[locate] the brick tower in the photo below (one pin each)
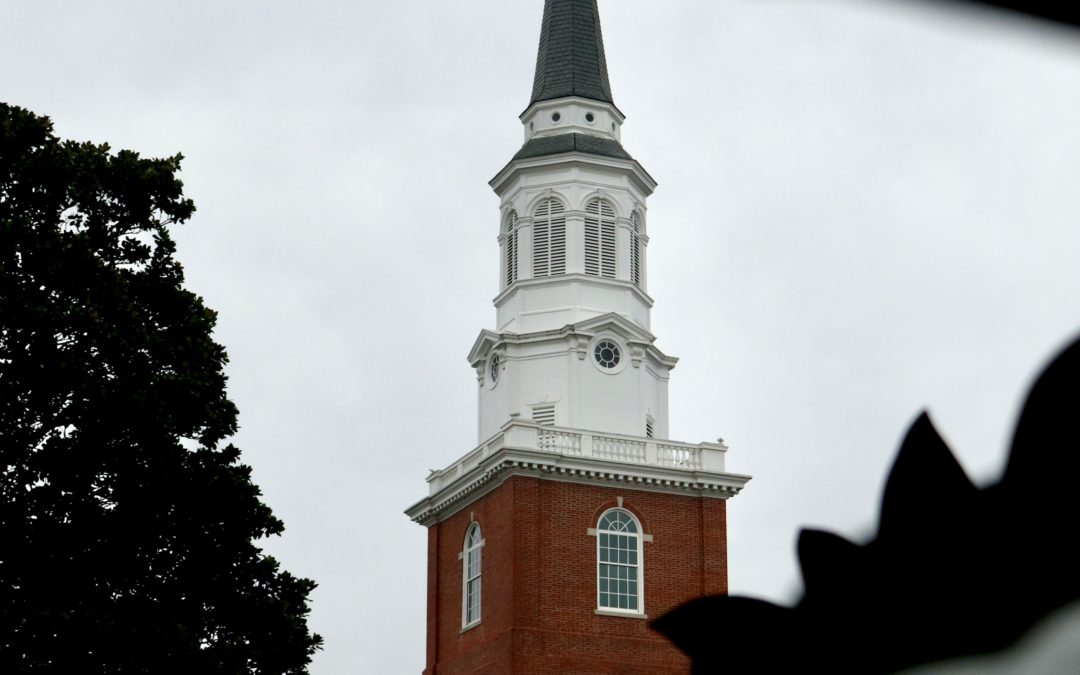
(576, 518)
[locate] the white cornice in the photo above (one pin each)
(577, 277)
(628, 330)
(525, 448)
(630, 167)
(507, 462)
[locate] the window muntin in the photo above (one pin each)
(618, 562)
(470, 559)
(607, 354)
(549, 239)
(510, 234)
(599, 239)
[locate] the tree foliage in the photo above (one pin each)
(127, 523)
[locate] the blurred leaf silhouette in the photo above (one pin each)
(954, 570)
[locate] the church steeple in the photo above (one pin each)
(576, 516)
(570, 61)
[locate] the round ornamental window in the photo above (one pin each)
(494, 364)
(555, 117)
(606, 354)
(589, 118)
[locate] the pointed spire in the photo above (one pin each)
(571, 60)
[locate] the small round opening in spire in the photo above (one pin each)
(555, 117)
(589, 117)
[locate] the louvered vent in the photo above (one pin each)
(549, 239)
(544, 414)
(600, 239)
(511, 235)
(635, 250)
(648, 427)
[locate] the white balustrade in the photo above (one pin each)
(620, 449)
(527, 435)
(678, 455)
(561, 442)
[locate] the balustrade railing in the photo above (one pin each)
(678, 455)
(527, 435)
(620, 449)
(561, 442)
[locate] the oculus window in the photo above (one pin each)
(607, 354)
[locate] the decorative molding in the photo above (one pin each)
(668, 467)
(630, 168)
(574, 277)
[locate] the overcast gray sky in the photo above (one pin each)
(865, 209)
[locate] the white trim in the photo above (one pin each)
(579, 277)
(640, 178)
(620, 615)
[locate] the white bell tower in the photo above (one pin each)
(572, 387)
(572, 345)
(575, 517)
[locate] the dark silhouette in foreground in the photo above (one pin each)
(127, 524)
(954, 570)
(1067, 13)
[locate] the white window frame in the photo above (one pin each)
(640, 538)
(474, 544)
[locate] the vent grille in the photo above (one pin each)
(635, 250)
(549, 239)
(600, 239)
(511, 235)
(544, 414)
(649, 427)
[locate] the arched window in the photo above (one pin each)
(510, 239)
(635, 249)
(549, 239)
(470, 576)
(599, 239)
(619, 562)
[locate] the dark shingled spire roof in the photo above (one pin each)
(571, 57)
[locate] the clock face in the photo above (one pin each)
(607, 354)
(494, 364)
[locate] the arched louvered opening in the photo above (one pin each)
(549, 239)
(600, 239)
(635, 249)
(510, 240)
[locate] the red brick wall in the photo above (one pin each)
(539, 580)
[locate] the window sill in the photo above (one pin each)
(621, 615)
(466, 629)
